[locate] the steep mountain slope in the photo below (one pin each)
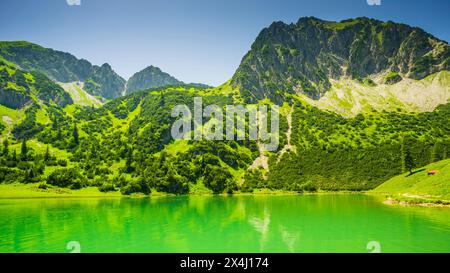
(57, 65)
(19, 88)
(104, 82)
(305, 57)
(63, 67)
(148, 78)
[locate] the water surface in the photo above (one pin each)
(297, 223)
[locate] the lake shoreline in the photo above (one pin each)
(404, 201)
(31, 191)
(393, 202)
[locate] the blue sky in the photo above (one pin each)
(194, 40)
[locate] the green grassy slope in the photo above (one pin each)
(420, 186)
(32, 190)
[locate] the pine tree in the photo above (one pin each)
(30, 175)
(24, 150)
(14, 156)
(75, 135)
(444, 153)
(47, 154)
(409, 161)
(55, 123)
(433, 153)
(163, 101)
(128, 167)
(59, 134)
(402, 152)
(5, 148)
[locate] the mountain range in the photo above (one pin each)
(61, 67)
(357, 97)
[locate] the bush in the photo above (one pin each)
(107, 187)
(219, 179)
(23, 165)
(67, 178)
(308, 186)
(42, 186)
(62, 162)
(99, 181)
(135, 187)
(8, 175)
(51, 162)
(253, 179)
(392, 78)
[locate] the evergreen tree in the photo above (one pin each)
(409, 161)
(75, 135)
(129, 161)
(55, 123)
(59, 134)
(162, 99)
(24, 150)
(31, 175)
(93, 154)
(402, 152)
(47, 154)
(5, 148)
(433, 153)
(14, 156)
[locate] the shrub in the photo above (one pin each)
(62, 162)
(8, 175)
(219, 179)
(308, 186)
(66, 178)
(135, 187)
(51, 162)
(23, 165)
(107, 187)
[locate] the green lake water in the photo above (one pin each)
(294, 223)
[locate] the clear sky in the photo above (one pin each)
(193, 40)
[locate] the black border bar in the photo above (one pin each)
(227, 262)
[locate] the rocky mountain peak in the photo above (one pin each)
(149, 77)
(304, 57)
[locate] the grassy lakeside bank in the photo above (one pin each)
(420, 187)
(18, 191)
(25, 191)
